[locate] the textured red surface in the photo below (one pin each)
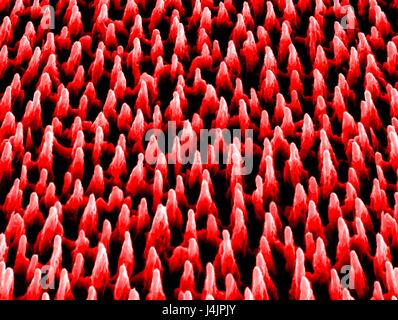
(79, 200)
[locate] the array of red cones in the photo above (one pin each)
(84, 215)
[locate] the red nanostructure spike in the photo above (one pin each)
(167, 150)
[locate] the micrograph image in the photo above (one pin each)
(199, 150)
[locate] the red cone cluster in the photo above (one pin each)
(83, 215)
